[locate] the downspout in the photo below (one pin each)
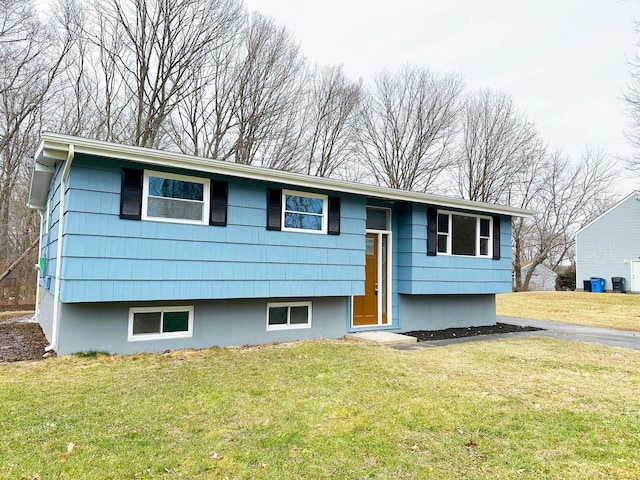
(55, 327)
(36, 314)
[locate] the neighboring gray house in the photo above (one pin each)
(542, 279)
(609, 246)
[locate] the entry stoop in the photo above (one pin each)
(380, 336)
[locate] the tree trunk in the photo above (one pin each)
(8, 271)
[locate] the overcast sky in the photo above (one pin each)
(564, 62)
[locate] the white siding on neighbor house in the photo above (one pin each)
(542, 279)
(606, 247)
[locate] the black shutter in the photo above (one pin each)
(334, 216)
(218, 207)
(131, 194)
(274, 208)
(432, 231)
(496, 238)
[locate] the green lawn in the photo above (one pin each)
(520, 408)
(620, 311)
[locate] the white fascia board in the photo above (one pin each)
(40, 180)
(635, 193)
(55, 146)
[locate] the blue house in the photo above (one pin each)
(146, 250)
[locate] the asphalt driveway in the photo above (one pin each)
(562, 331)
(580, 333)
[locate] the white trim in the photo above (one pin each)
(477, 239)
(288, 325)
(205, 182)
(57, 307)
(389, 277)
(324, 214)
(160, 336)
(632, 284)
(53, 147)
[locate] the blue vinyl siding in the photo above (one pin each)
(419, 273)
(106, 258)
(110, 259)
(49, 233)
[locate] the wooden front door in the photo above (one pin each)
(365, 307)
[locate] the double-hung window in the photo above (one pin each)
(153, 323)
(465, 235)
(304, 212)
(175, 198)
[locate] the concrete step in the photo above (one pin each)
(382, 336)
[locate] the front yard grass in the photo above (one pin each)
(620, 311)
(512, 408)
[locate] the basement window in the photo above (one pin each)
(155, 323)
(285, 316)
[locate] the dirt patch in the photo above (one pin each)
(21, 339)
(450, 333)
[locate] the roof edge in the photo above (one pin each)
(54, 147)
(613, 207)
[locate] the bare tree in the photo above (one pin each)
(269, 97)
(496, 145)
(205, 122)
(31, 56)
(149, 50)
(405, 125)
(332, 102)
(523, 193)
(568, 197)
(632, 99)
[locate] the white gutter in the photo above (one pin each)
(54, 146)
(55, 327)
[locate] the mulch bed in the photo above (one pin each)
(21, 340)
(449, 333)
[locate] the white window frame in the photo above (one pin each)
(447, 233)
(477, 239)
(172, 176)
(325, 202)
(160, 336)
(288, 325)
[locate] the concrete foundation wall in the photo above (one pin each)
(104, 326)
(438, 312)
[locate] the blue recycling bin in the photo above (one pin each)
(597, 285)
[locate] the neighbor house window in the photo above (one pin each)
(175, 198)
(153, 323)
(282, 316)
(306, 212)
(466, 235)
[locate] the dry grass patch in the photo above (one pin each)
(608, 310)
(520, 408)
